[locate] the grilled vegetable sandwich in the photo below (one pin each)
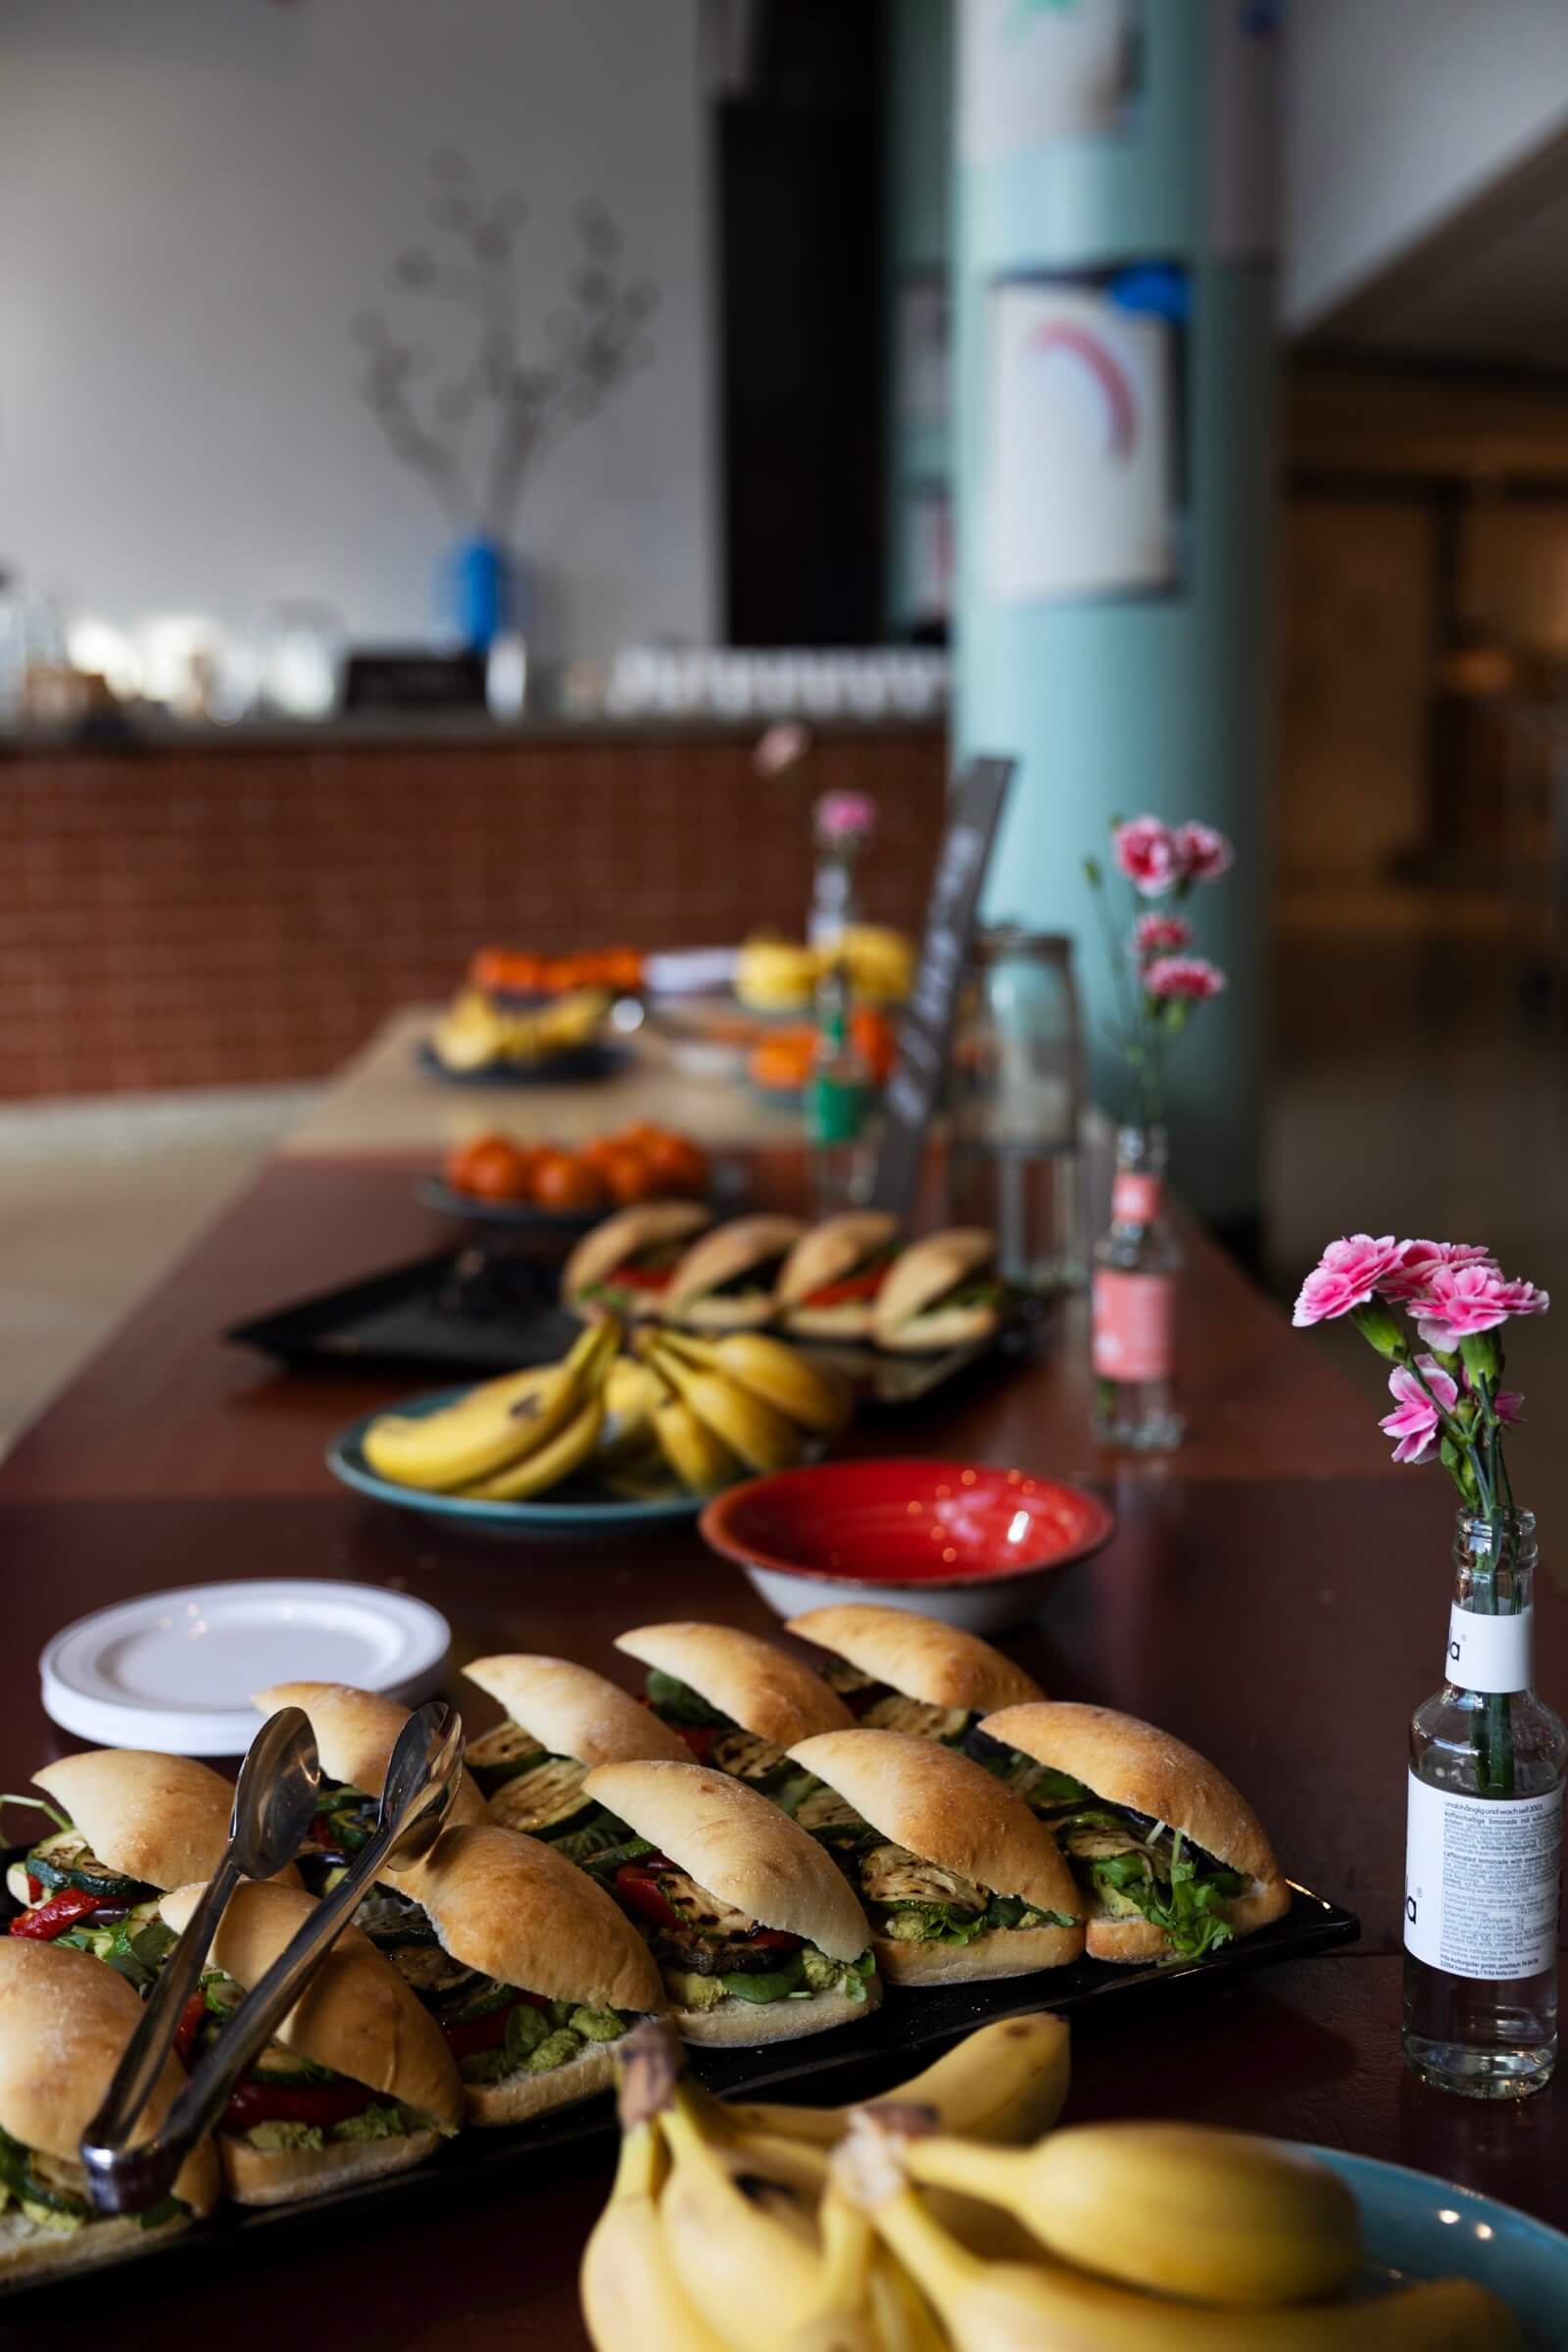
(562, 1719)
(900, 1671)
(757, 1936)
(126, 1826)
(737, 1701)
(65, 2021)
(728, 1281)
(942, 1292)
(628, 1263)
(830, 1280)
(959, 1878)
(1170, 1860)
(530, 1969)
(359, 2080)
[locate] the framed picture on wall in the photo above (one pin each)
(1084, 467)
(1032, 72)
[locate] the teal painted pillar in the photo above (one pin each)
(1114, 295)
(919, 219)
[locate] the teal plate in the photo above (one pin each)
(567, 1510)
(1425, 2228)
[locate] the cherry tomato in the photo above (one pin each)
(561, 1180)
(677, 1165)
(628, 1177)
(498, 1170)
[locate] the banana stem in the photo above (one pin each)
(996, 2176)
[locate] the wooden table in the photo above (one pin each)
(1275, 1593)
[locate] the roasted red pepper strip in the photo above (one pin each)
(638, 1889)
(699, 1737)
(853, 1289)
(59, 1912)
(189, 2026)
(260, 2102)
(466, 2036)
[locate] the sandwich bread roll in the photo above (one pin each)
(946, 1812)
(158, 1819)
(941, 1665)
(1131, 1764)
(356, 1731)
(65, 2021)
(356, 2016)
(915, 1309)
(728, 1280)
(757, 1684)
(572, 1711)
(651, 1225)
(833, 1253)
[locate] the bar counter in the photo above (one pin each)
(1275, 1593)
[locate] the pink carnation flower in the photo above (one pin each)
(1457, 1302)
(1419, 1261)
(1202, 854)
(1349, 1272)
(1184, 976)
(1414, 1422)
(1145, 849)
(1161, 934)
(845, 816)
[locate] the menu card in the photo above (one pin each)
(914, 1092)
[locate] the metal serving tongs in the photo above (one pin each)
(273, 1802)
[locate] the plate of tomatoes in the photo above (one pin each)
(503, 1179)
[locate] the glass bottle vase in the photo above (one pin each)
(1484, 1834)
(1133, 1303)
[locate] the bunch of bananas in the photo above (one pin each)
(475, 1032)
(722, 2230)
(913, 2224)
(681, 1416)
(707, 1412)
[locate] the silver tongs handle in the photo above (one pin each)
(420, 1782)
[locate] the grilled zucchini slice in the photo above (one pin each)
(67, 1860)
(745, 1756)
(547, 1798)
(429, 1969)
(501, 1754)
(891, 1874)
(825, 1809)
(915, 1718)
(703, 1913)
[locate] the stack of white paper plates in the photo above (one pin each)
(175, 1670)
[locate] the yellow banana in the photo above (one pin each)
(1005, 2083)
(755, 1431)
(1216, 2216)
(1045, 2307)
(900, 2314)
(778, 1374)
(745, 2248)
(631, 1392)
(629, 2292)
(844, 2319)
(537, 1473)
(702, 1461)
(499, 1422)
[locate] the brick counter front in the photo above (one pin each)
(211, 915)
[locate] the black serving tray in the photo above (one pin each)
(909, 2029)
(484, 1309)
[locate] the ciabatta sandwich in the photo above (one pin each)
(127, 1825)
(65, 2021)
(359, 2080)
(959, 1878)
(757, 1935)
(728, 1281)
(626, 1263)
(356, 1731)
(942, 1292)
(737, 1701)
(832, 1278)
(532, 1973)
(897, 1671)
(562, 1719)
(1170, 1859)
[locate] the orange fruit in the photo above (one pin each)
(565, 1180)
(495, 1169)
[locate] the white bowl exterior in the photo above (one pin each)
(979, 1609)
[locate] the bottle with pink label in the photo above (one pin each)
(1134, 1303)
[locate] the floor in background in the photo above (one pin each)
(1420, 1086)
(97, 1198)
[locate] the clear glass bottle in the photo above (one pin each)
(1484, 1836)
(837, 1093)
(1014, 1101)
(1133, 1307)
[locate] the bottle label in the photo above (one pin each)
(1490, 1653)
(1136, 1199)
(1134, 1325)
(1481, 1882)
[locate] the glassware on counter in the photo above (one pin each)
(1484, 1834)
(837, 1094)
(301, 649)
(1133, 1317)
(1015, 1099)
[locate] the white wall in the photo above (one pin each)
(196, 198)
(1399, 111)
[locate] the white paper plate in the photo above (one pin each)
(175, 1671)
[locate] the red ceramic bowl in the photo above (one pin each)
(951, 1540)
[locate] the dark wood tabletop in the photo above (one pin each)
(1274, 1593)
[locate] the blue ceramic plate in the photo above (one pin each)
(569, 1509)
(1425, 2228)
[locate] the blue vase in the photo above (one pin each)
(481, 591)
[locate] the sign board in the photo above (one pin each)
(914, 1092)
(395, 680)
